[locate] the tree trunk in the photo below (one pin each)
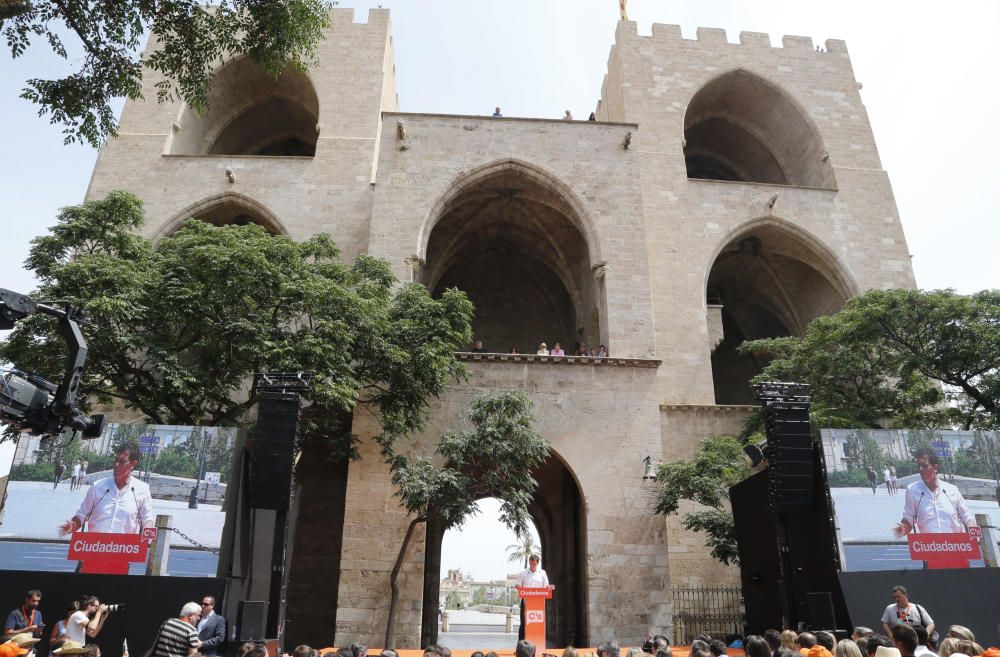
(390, 627)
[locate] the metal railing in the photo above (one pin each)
(713, 610)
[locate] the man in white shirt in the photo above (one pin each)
(88, 621)
(531, 577)
(933, 506)
(119, 504)
(75, 477)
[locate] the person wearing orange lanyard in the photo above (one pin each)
(27, 618)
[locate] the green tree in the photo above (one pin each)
(898, 358)
(492, 458)
(178, 332)
(864, 451)
(175, 461)
(523, 549)
(705, 479)
(191, 36)
(479, 595)
(452, 601)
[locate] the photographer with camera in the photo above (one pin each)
(26, 618)
(88, 621)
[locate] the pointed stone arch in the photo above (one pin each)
(742, 127)
(767, 278)
(225, 209)
(251, 112)
(567, 201)
(559, 512)
(520, 243)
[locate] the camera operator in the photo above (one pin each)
(88, 621)
(26, 618)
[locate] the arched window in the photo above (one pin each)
(515, 246)
(229, 209)
(740, 127)
(250, 112)
(766, 283)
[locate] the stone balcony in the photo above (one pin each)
(534, 359)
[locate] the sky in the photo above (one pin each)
(928, 70)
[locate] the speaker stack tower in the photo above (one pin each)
(272, 458)
(784, 524)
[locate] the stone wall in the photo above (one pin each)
(601, 420)
(683, 428)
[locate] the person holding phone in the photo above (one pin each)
(26, 618)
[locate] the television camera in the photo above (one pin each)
(30, 403)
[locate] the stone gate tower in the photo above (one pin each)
(728, 191)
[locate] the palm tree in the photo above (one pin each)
(523, 550)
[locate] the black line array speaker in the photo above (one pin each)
(789, 454)
(251, 620)
(274, 451)
(820, 607)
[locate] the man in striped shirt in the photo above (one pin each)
(178, 637)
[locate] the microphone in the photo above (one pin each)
(137, 520)
(913, 525)
(94, 508)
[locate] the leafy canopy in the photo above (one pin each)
(494, 457)
(903, 358)
(191, 38)
(705, 479)
(179, 332)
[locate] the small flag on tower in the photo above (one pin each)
(624, 10)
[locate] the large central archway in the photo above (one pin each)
(516, 245)
(559, 514)
(769, 280)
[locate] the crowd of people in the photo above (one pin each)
(196, 630)
(908, 631)
(579, 349)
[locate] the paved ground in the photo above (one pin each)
(478, 640)
(44, 556)
(35, 510)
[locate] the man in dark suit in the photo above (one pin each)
(211, 628)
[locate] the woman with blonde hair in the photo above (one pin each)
(961, 632)
(847, 648)
(788, 641)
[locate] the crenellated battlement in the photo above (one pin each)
(342, 17)
(715, 36)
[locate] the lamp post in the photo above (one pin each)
(193, 500)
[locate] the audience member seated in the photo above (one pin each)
(961, 632)
(557, 350)
(755, 646)
(718, 648)
(826, 640)
(524, 648)
(788, 641)
(922, 649)
(905, 639)
(602, 352)
(848, 648)
(804, 642)
(876, 641)
(477, 347)
(543, 350)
